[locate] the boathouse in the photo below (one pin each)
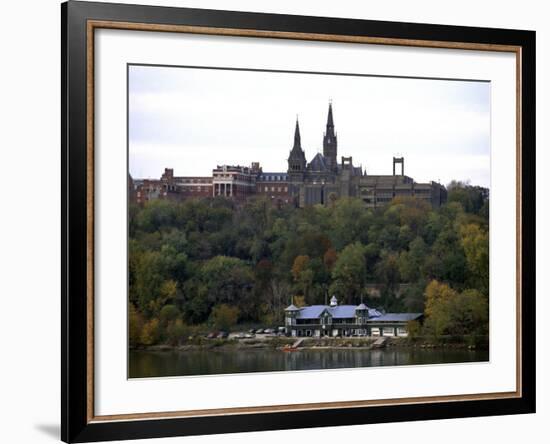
(345, 320)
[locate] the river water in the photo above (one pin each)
(208, 362)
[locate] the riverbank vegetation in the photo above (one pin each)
(213, 263)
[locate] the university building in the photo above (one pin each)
(237, 182)
(274, 186)
(169, 187)
(345, 320)
(324, 178)
(317, 182)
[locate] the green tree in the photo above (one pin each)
(471, 198)
(303, 275)
(329, 258)
(299, 301)
(135, 326)
(176, 332)
(151, 332)
(349, 221)
(413, 297)
(410, 262)
(299, 266)
(438, 311)
(450, 312)
(227, 279)
(149, 277)
(196, 306)
(169, 313)
(155, 215)
(349, 272)
(224, 316)
(413, 212)
(189, 257)
(458, 192)
(469, 313)
(447, 261)
(475, 243)
(387, 270)
(414, 329)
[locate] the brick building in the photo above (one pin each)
(184, 187)
(235, 181)
(319, 181)
(169, 187)
(148, 189)
(274, 186)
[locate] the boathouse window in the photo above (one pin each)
(401, 331)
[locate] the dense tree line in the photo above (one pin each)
(216, 262)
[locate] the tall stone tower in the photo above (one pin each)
(296, 167)
(330, 143)
(297, 157)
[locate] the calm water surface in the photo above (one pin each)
(207, 362)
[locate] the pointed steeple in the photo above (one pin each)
(330, 143)
(297, 158)
(330, 121)
(297, 139)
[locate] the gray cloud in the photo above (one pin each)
(193, 119)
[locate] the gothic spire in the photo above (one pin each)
(297, 140)
(297, 158)
(330, 143)
(330, 121)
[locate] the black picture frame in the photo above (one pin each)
(76, 424)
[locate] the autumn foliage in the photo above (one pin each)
(216, 263)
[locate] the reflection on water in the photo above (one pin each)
(208, 362)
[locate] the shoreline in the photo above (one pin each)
(278, 343)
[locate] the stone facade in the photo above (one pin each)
(320, 181)
(324, 179)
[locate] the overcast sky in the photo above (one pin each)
(194, 119)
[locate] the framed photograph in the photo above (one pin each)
(275, 221)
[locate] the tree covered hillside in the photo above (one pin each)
(216, 262)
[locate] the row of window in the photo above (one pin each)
(273, 189)
(388, 331)
(233, 176)
(326, 320)
(196, 180)
(198, 189)
(234, 186)
(273, 178)
(385, 191)
(375, 331)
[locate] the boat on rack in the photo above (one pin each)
(293, 347)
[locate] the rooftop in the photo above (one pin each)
(398, 317)
(318, 163)
(335, 311)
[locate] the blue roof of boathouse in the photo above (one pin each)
(337, 312)
(398, 317)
